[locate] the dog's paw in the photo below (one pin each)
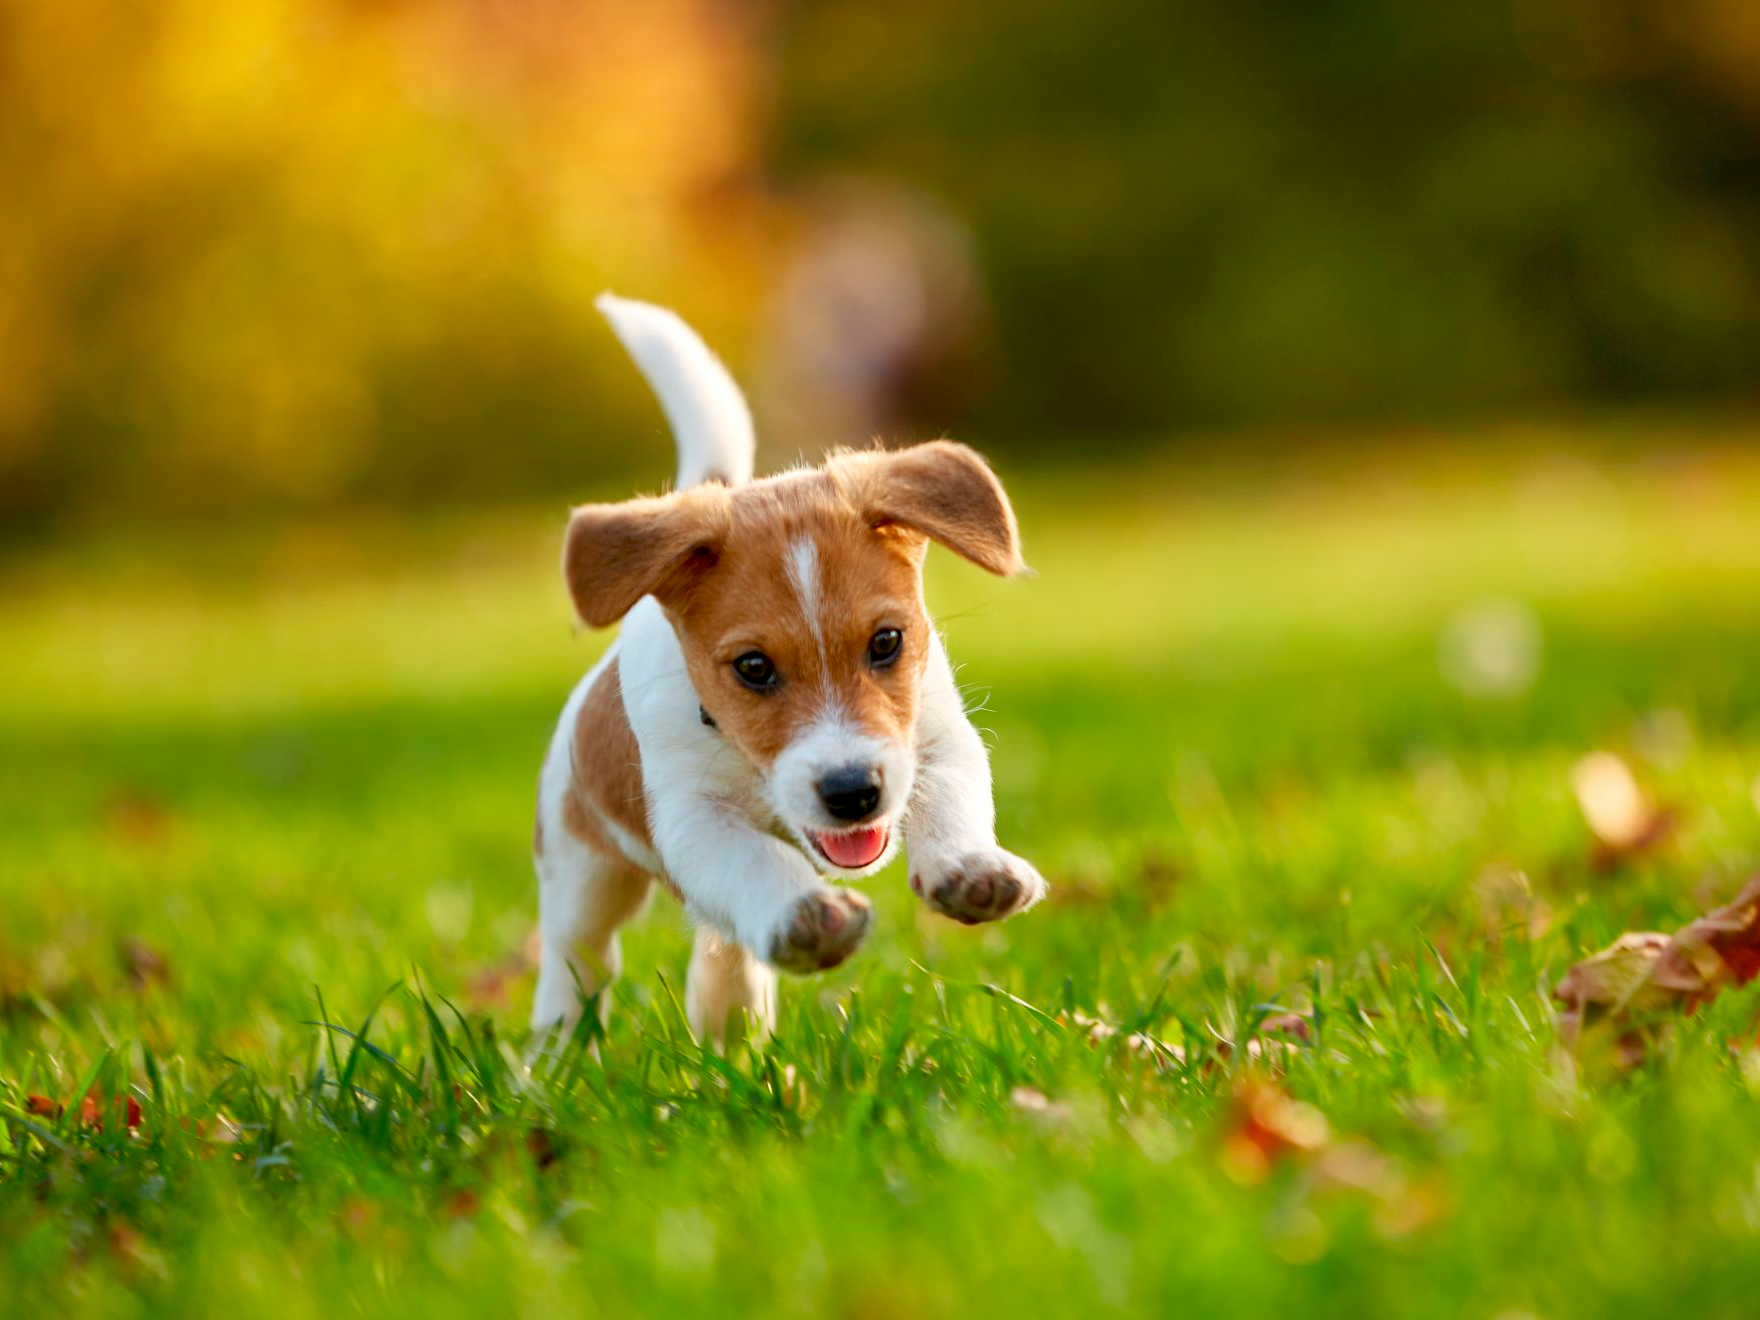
(825, 929)
(987, 885)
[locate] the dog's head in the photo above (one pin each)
(798, 603)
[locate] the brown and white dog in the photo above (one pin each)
(777, 709)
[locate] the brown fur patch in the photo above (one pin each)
(866, 579)
(942, 490)
(607, 776)
(614, 554)
(719, 562)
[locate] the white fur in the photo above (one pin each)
(952, 816)
(803, 576)
(581, 905)
(953, 812)
(725, 979)
(828, 744)
(706, 803)
(710, 420)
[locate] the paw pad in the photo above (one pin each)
(979, 887)
(827, 926)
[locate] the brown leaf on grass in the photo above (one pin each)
(1625, 820)
(143, 964)
(92, 1110)
(1292, 1026)
(1267, 1125)
(1648, 972)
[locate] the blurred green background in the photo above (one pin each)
(1377, 386)
(293, 254)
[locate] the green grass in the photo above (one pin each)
(241, 773)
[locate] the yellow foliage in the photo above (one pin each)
(235, 227)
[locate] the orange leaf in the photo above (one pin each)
(1625, 820)
(1296, 1026)
(1266, 1124)
(1646, 971)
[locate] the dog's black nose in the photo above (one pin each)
(850, 792)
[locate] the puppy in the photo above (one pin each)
(778, 709)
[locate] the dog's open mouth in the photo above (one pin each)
(852, 849)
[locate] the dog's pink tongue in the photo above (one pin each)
(856, 848)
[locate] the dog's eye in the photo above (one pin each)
(755, 671)
(884, 646)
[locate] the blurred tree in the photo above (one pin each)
(1207, 212)
(288, 250)
(298, 251)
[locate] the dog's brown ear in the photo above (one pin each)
(614, 554)
(942, 490)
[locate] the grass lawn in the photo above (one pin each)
(253, 782)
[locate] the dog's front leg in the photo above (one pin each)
(956, 866)
(752, 887)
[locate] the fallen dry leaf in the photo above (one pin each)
(1266, 1125)
(143, 964)
(1647, 972)
(1294, 1026)
(1622, 816)
(91, 1112)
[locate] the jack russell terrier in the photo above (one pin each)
(777, 710)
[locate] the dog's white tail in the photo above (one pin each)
(710, 421)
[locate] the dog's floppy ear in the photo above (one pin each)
(614, 554)
(942, 490)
